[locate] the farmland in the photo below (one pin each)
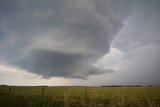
(14, 96)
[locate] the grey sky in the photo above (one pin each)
(86, 42)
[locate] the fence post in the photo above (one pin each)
(149, 94)
(85, 95)
(9, 91)
(42, 92)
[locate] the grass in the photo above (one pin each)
(79, 97)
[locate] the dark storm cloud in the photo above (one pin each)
(67, 64)
(60, 37)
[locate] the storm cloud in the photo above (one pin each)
(60, 38)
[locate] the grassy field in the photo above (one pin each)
(79, 96)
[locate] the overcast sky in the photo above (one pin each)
(80, 42)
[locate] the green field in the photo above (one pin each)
(79, 96)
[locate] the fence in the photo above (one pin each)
(85, 90)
